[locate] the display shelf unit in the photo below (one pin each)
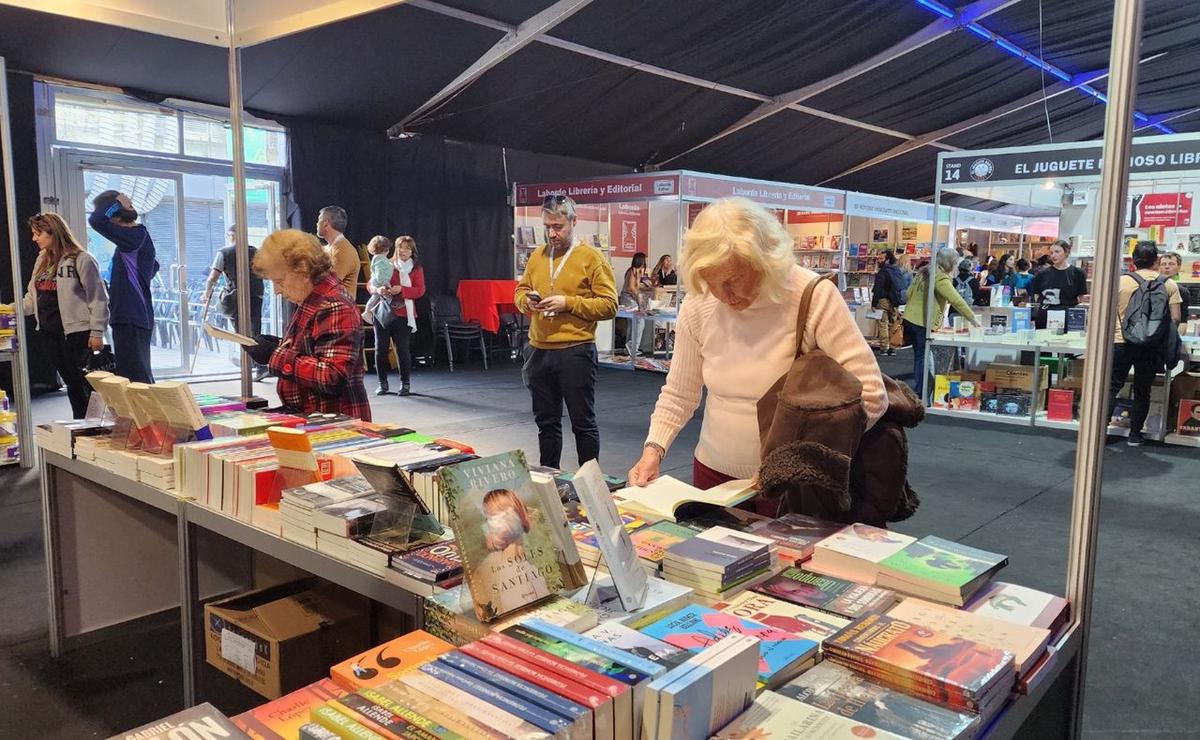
(1183, 440)
(1023, 421)
(180, 551)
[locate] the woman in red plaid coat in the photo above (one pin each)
(319, 360)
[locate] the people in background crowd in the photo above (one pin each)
(945, 262)
(1169, 265)
(69, 302)
(134, 266)
(999, 270)
(403, 286)
(887, 297)
(567, 286)
(737, 336)
(904, 262)
(225, 265)
(1060, 286)
(663, 273)
(319, 360)
(966, 285)
(1146, 360)
(1020, 279)
(331, 222)
(1040, 264)
(636, 281)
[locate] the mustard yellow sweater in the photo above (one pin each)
(588, 284)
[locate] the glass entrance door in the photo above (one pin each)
(157, 198)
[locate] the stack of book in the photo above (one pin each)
(417, 459)
(421, 571)
(705, 693)
(835, 596)
(719, 563)
(795, 535)
(298, 505)
(774, 715)
(798, 620)
(843, 692)
(652, 542)
(62, 436)
(940, 570)
(585, 535)
(87, 447)
(854, 553)
(782, 655)
(951, 671)
(1020, 605)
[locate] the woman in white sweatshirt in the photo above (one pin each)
(69, 302)
(736, 335)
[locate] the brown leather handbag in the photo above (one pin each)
(818, 457)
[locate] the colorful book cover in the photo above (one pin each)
(798, 620)
(864, 542)
(440, 707)
(828, 594)
(652, 542)
(433, 563)
(282, 718)
(696, 627)
(795, 535)
(941, 561)
(509, 559)
(383, 663)
(341, 724)
(526, 710)
(1027, 644)
(203, 720)
(431, 725)
(840, 690)
(913, 655)
(779, 718)
(704, 694)
(1020, 605)
(640, 644)
(579, 656)
(390, 724)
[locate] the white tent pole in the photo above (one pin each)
(239, 190)
(1093, 425)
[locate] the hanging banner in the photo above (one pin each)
(986, 221)
(1158, 209)
(628, 227)
(882, 207)
(760, 191)
(1159, 154)
(607, 190)
(800, 217)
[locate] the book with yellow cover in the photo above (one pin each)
(385, 662)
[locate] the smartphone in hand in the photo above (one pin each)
(533, 298)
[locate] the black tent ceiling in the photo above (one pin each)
(640, 83)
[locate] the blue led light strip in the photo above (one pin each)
(1033, 61)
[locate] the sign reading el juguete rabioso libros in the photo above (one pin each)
(1080, 161)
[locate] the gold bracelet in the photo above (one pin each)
(657, 448)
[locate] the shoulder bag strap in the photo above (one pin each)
(802, 313)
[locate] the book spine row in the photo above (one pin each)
(910, 683)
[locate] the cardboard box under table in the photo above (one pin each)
(278, 639)
(1018, 379)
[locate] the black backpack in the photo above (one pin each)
(1147, 317)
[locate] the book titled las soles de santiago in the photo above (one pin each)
(508, 555)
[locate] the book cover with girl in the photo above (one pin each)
(508, 555)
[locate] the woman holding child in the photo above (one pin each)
(399, 281)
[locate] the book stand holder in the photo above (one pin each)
(602, 593)
(161, 437)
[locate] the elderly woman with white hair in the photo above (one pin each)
(946, 263)
(736, 335)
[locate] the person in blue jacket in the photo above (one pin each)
(133, 267)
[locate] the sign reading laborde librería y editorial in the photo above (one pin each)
(1075, 161)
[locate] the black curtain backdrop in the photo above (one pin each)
(28, 199)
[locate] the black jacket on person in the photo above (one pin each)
(888, 282)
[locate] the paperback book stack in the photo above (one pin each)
(773, 715)
(297, 506)
(855, 552)
(795, 535)
(719, 563)
(653, 541)
(940, 570)
(421, 571)
(705, 693)
(63, 436)
(951, 671)
(827, 594)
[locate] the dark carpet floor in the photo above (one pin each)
(994, 486)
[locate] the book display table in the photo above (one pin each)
(118, 551)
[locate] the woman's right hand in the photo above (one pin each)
(646, 469)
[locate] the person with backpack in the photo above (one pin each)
(887, 295)
(967, 286)
(1148, 309)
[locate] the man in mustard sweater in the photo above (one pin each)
(567, 286)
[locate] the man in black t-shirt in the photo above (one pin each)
(225, 264)
(1060, 286)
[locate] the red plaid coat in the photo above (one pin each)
(319, 363)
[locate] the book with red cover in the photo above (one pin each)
(282, 718)
(1060, 404)
(913, 658)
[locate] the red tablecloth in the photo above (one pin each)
(483, 300)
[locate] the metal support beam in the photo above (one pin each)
(242, 240)
(1097, 371)
(928, 34)
(652, 69)
(513, 41)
